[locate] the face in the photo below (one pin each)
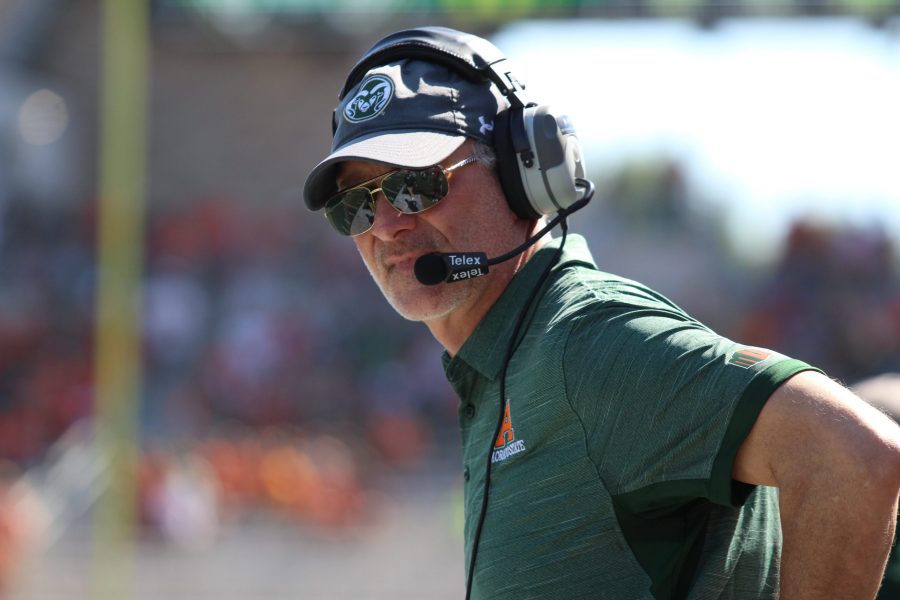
(473, 217)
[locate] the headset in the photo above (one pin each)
(539, 158)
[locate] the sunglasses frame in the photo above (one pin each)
(374, 186)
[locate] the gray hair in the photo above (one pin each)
(484, 154)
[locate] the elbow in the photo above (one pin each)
(867, 459)
(877, 452)
(888, 473)
(880, 469)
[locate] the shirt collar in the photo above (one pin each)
(485, 349)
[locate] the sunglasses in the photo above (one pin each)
(409, 191)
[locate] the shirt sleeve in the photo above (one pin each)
(665, 402)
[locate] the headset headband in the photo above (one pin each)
(471, 56)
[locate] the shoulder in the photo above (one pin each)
(579, 293)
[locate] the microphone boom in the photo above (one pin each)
(437, 267)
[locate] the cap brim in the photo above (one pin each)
(395, 149)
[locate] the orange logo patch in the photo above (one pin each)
(747, 357)
(507, 433)
(506, 444)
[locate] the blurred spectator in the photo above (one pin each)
(23, 524)
(834, 301)
(181, 502)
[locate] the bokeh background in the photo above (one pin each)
(292, 437)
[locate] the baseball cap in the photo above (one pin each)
(408, 113)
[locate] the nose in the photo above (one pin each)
(389, 222)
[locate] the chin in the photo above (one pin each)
(414, 307)
(417, 302)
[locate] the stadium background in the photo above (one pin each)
(294, 437)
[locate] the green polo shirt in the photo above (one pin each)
(611, 477)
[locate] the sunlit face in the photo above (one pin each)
(473, 217)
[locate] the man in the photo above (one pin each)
(636, 453)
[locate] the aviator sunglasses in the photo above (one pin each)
(410, 191)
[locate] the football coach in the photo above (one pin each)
(613, 446)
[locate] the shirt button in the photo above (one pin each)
(470, 410)
(466, 474)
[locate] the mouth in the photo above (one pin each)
(401, 256)
(404, 263)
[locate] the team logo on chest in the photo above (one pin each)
(506, 444)
(372, 97)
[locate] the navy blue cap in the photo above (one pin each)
(408, 113)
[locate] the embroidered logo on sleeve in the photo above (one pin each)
(747, 357)
(506, 444)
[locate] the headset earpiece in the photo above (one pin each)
(538, 154)
(550, 185)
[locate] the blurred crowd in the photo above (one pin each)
(277, 379)
(833, 299)
(244, 321)
(308, 479)
(249, 327)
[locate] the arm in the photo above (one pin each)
(836, 462)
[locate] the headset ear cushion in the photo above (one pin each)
(508, 169)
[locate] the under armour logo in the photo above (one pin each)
(485, 126)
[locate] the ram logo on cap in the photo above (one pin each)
(373, 95)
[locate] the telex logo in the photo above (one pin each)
(466, 265)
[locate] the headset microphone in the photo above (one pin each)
(437, 267)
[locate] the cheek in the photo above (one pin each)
(486, 199)
(480, 213)
(364, 246)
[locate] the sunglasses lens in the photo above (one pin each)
(351, 212)
(414, 191)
